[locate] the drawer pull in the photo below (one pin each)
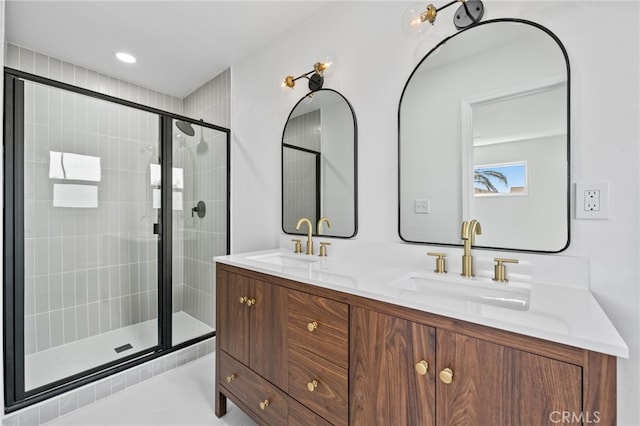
(231, 378)
(446, 376)
(264, 404)
(312, 385)
(422, 367)
(312, 326)
(251, 302)
(243, 299)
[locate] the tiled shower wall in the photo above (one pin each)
(299, 177)
(206, 237)
(91, 270)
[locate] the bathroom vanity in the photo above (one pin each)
(304, 340)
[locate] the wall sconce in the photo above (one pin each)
(315, 77)
(469, 13)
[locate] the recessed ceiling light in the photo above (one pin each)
(125, 57)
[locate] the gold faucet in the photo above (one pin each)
(325, 220)
(309, 237)
(469, 232)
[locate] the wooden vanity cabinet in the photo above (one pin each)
(252, 319)
(469, 380)
(262, 369)
(376, 363)
(319, 355)
(386, 389)
(254, 313)
(499, 385)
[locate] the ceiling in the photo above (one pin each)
(179, 45)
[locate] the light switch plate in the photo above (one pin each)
(422, 206)
(592, 200)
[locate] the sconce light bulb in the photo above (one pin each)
(321, 67)
(416, 21)
(415, 16)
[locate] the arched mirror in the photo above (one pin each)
(319, 177)
(484, 134)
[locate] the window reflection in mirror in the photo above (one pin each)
(500, 179)
(319, 164)
(490, 96)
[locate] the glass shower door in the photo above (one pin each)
(91, 199)
(200, 228)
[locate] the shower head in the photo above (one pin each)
(202, 145)
(185, 128)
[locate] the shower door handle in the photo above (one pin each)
(157, 228)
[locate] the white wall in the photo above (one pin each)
(372, 63)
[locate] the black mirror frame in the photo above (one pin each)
(355, 168)
(566, 58)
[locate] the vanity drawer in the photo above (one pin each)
(319, 385)
(319, 325)
(299, 415)
(253, 390)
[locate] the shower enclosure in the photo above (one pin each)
(113, 214)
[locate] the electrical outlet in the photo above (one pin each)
(422, 206)
(592, 200)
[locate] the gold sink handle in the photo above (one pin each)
(323, 249)
(441, 266)
(501, 270)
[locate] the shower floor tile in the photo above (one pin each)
(62, 361)
(180, 397)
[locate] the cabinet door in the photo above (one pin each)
(385, 388)
(269, 356)
(494, 384)
(233, 316)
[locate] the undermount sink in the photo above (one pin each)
(284, 259)
(477, 291)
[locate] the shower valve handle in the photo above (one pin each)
(200, 209)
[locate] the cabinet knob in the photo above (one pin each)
(312, 326)
(231, 378)
(251, 302)
(264, 404)
(312, 385)
(422, 367)
(446, 376)
(243, 299)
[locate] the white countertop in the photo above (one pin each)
(565, 314)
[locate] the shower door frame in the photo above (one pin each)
(16, 397)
